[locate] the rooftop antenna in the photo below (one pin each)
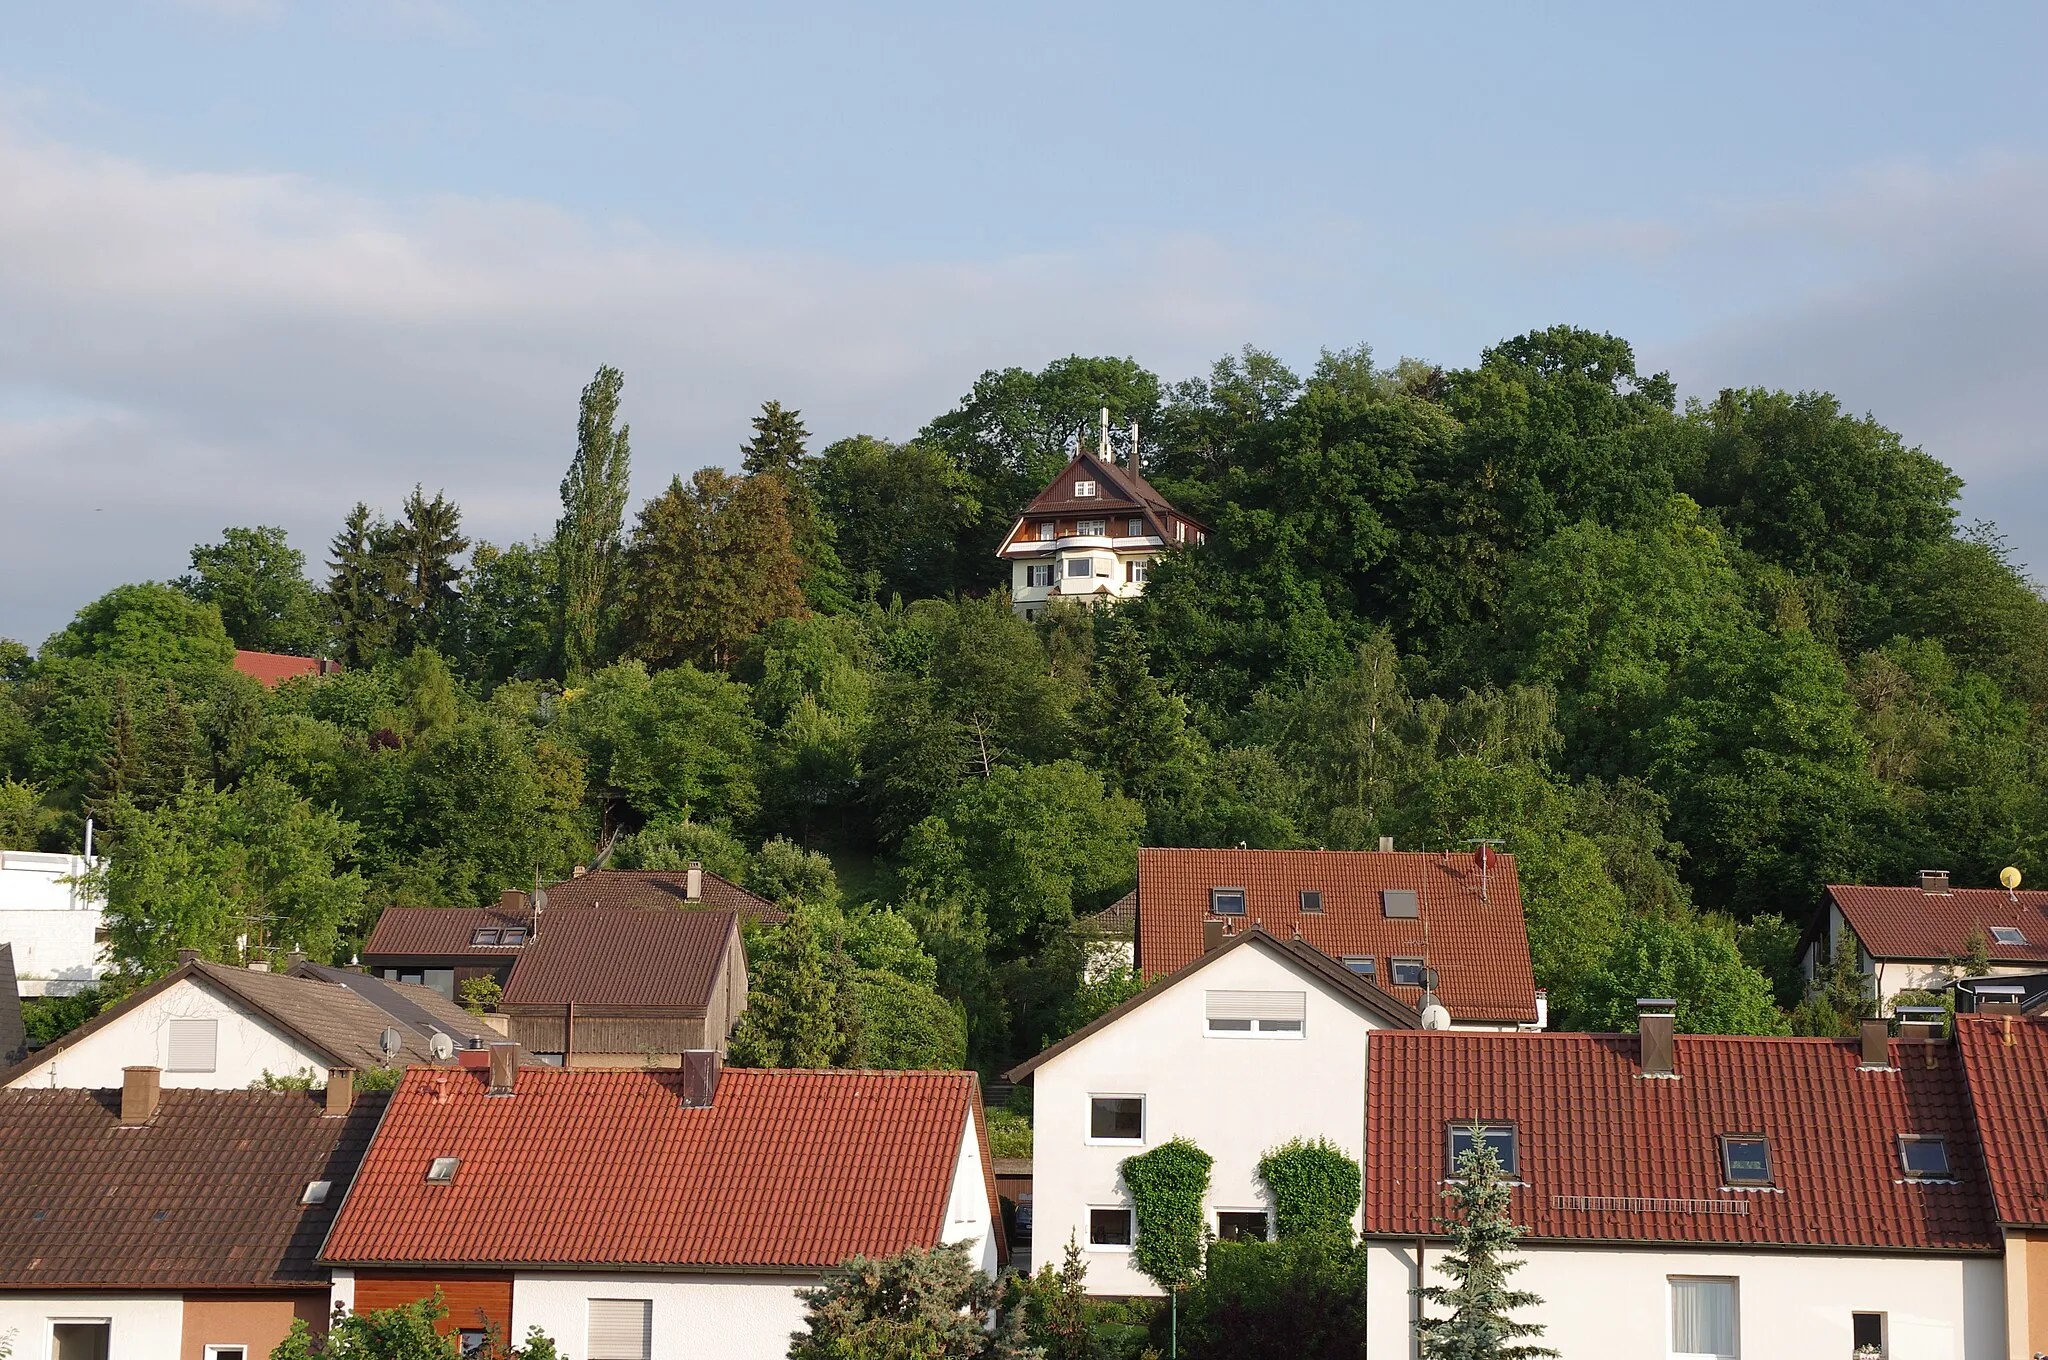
(1136, 470)
(1482, 854)
(2009, 875)
(88, 842)
(540, 903)
(1102, 447)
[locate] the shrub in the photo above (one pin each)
(1167, 1187)
(1302, 1299)
(1009, 1133)
(922, 1305)
(480, 994)
(1314, 1186)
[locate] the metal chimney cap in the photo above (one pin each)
(1655, 1003)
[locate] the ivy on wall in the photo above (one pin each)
(1168, 1185)
(1314, 1186)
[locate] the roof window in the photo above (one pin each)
(1923, 1157)
(1406, 972)
(316, 1192)
(1745, 1159)
(512, 935)
(1400, 904)
(442, 1172)
(1312, 902)
(1226, 901)
(1461, 1139)
(2012, 935)
(1360, 964)
(484, 936)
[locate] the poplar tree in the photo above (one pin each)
(588, 537)
(1482, 1234)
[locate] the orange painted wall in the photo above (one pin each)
(257, 1321)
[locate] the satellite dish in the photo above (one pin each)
(442, 1047)
(390, 1041)
(1434, 1016)
(2010, 877)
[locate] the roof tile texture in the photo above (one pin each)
(1480, 948)
(342, 1022)
(787, 1168)
(622, 956)
(1906, 923)
(1590, 1125)
(273, 668)
(2007, 1062)
(445, 932)
(206, 1194)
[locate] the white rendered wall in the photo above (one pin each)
(52, 924)
(247, 1046)
(342, 1291)
(1235, 1096)
(696, 1317)
(145, 1326)
(967, 1210)
(1604, 1301)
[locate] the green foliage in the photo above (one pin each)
(502, 627)
(258, 582)
(479, 995)
(1167, 1186)
(907, 1026)
(1009, 1133)
(589, 546)
(711, 564)
(406, 1332)
(926, 1304)
(1314, 1186)
(793, 1016)
(1839, 995)
(674, 745)
(23, 814)
(1304, 1297)
(379, 1078)
(1054, 1303)
(900, 515)
(49, 1018)
(299, 1080)
(1482, 1236)
(147, 630)
(1695, 962)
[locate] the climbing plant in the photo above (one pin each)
(1314, 1187)
(1167, 1187)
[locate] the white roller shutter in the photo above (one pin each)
(620, 1329)
(193, 1045)
(1258, 1006)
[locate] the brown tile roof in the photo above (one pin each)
(444, 933)
(1390, 1009)
(1906, 923)
(1480, 949)
(2006, 1059)
(622, 956)
(1609, 1155)
(273, 668)
(1119, 491)
(662, 888)
(797, 1169)
(205, 1195)
(431, 933)
(1117, 921)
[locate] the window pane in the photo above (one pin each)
(79, 1340)
(1230, 1023)
(1226, 901)
(1401, 904)
(1407, 972)
(1867, 1330)
(1311, 901)
(1360, 964)
(1746, 1161)
(1280, 1026)
(1234, 1225)
(1117, 1117)
(1703, 1317)
(1924, 1156)
(1499, 1137)
(1109, 1227)
(1080, 566)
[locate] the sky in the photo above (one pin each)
(260, 260)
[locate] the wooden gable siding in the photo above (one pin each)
(474, 1300)
(547, 1029)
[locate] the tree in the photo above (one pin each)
(711, 565)
(425, 544)
(1478, 1265)
(1168, 1185)
(1144, 745)
(147, 629)
(678, 745)
(408, 1332)
(1692, 960)
(793, 1004)
(362, 588)
(588, 544)
(1302, 1298)
(258, 582)
(925, 1304)
(503, 623)
(899, 513)
(778, 451)
(1838, 997)
(1055, 1308)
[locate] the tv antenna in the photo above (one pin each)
(1482, 854)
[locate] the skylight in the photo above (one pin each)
(483, 936)
(1360, 964)
(1923, 1158)
(1311, 901)
(1226, 901)
(1745, 1159)
(316, 1192)
(1400, 904)
(442, 1172)
(512, 935)
(1499, 1137)
(2008, 935)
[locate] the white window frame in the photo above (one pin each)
(1084, 489)
(1073, 562)
(171, 1043)
(2018, 940)
(1144, 1119)
(1047, 531)
(1258, 1028)
(1092, 528)
(1884, 1328)
(1035, 570)
(1130, 1217)
(50, 1332)
(1140, 571)
(213, 1352)
(1135, 527)
(1734, 1284)
(1216, 1223)
(646, 1335)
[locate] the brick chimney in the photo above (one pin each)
(504, 1069)
(693, 882)
(141, 1089)
(700, 1069)
(1655, 1019)
(1213, 932)
(1876, 1033)
(341, 1090)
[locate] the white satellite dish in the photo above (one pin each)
(1434, 1016)
(442, 1047)
(390, 1041)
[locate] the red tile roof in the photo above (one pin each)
(273, 668)
(587, 1167)
(207, 1194)
(2006, 1059)
(1480, 948)
(1609, 1155)
(1906, 923)
(622, 956)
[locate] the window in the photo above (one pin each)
(1499, 1137)
(81, 1340)
(1200, 539)
(2008, 935)
(1311, 902)
(1405, 972)
(1098, 528)
(1226, 901)
(194, 1045)
(1360, 964)
(1241, 1225)
(1080, 566)
(1084, 489)
(470, 1341)
(1271, 1013)
(316, 1192)
(1400, 904)
(620, 1329)
(1923, 1158)
(1745, 1159)
(483, 936)
(1180, 531)
(1703, 1320)
(1037, 574)
(1134, 528)
(1047, 531)
(442, 1170)
(1866, 1333)
(512, 935)
(227, 1353)
(1138, 572)
(1116, 1119)
(1109, 1228)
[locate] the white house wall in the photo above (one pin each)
(967, 1212)
(695, 1317)
(1604, 1301)
(1236, 1097)
(145, 1326)
(52, 922)
(247, 1047)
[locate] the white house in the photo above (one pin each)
(51, 920)
(1696, 1196)
(1256, 1042)
(657, 1214)
(1917, 938)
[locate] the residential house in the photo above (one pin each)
(1917, 938)
(13, 1033)
(1697, 1196)
(1092, 535)
(656, 1214)
(2005, 1058)
(1397, 919)
(145, 1223)
(272, 669)
(53, 920)
(1260, 1040)
(214, 1026)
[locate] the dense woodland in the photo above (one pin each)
(1689, 664)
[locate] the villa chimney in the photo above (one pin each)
(1386, 845)
(700, 1068)
(141, 1089)
(693, 882)
(504, 1069)
(341, 1091)
(186, 956)
(1212, 935)
(1655, 1017)
(1877, 1049)
(1934, 880)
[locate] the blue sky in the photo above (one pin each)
(260, 260)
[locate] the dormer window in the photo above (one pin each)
(512, 935)
(1084, 490)
(1226, 901)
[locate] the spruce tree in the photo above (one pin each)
(1482, 1234)
(588, 537)
(360, 603)
(170, 751)
(778, 450)
(120, 764)
(1143, 743)
(422, 549)
(793, 1011)
(711, 565)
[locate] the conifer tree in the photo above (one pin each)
(120, 764)
(588, 537)
(778, 450)
(423, 547)
(793, 1010)
(1479, 1327)
(1839, 997)
(360, 601)
(170, 751)
(1143, 744)
(711, 565)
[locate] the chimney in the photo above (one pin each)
(296, 957)
(1934, 880)
(700, 1070)
(1655, 1016)
(1212, 935)
(1923, 1023)
(1877, 1047)
(341, 1090)
(186, 956)
(578, 872)
(141, 1088)
(504, 1069)
(1386, 845)
(693, 882)
(512, 902)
